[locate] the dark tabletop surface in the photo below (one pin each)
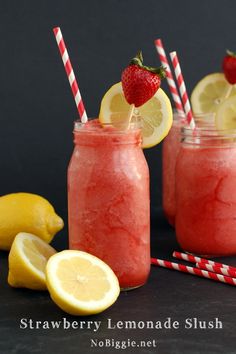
(37, 113)
(167, 296)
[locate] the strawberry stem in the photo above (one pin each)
(138, 60)
(160, 71)
(230, 53)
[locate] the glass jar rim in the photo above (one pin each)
(207, 116)
(117, 127)
(207, 131)
(208, 137)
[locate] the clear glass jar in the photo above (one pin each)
(206, 192)
(170, 149)
(108, 199)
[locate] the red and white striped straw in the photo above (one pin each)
(194, 271)
(195, 259)
(170, 80)
(70, 74)
(182, 89)
(216, 269)
(216, 264)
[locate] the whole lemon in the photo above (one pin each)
(26, 212)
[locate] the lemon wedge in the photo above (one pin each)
(156, 114)
(225, 118)
(27, 261)
(210, 92)
(81, 284)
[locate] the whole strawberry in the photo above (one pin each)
(229, 67)
(140, 82)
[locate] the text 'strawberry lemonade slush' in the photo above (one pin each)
(108, 177)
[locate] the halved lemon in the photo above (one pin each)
(226, 114)
(156, 114)
(27, 262)
(210, 92)
(81, 284)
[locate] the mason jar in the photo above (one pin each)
(109, 201)
(170, 150)
(206, 192)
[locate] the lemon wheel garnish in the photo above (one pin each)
(156, 114)
(226, 114)
(210, 92)
(81, 284)
(27, 262)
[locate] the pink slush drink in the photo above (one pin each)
(170, 150)
(108, 200)
(206, 198)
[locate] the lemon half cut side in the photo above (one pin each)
(27, 262)
(80, 283)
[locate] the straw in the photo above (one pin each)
(195, 259)
(194, 271)
(70, 74)
(182, 89)
(217, 269)
(216, 264)
(170, 80)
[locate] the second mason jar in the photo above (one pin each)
(108, 199)
(170, 150)
(205, 192)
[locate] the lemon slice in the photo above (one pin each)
(226, 114)
(81, 284)
(156, 114)
(210, 92)
(27, 261)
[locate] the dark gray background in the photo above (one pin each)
(36, 106)
(36, 115)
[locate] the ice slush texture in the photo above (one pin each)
(206, 200)
(108, 196)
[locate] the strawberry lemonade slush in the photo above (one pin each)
(108, 176)
(205, 194)
(170, 150)
(108, 200)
